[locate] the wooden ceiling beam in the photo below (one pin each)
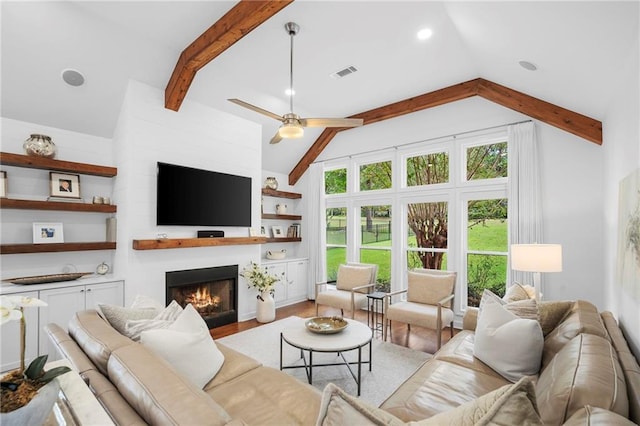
(243, 18)
(562, 118)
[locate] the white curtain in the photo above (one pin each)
(317, 234)
(525, 208)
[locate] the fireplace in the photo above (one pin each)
(212, 291)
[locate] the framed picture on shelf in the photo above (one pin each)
(3, 185)
(263, 232)
(253, 232)
(278, 232)
(64, 185)
(47, 233)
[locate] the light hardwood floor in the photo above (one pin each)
(419, 338)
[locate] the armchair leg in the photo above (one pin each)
(316, 309)
(451, 328)
(439, 332)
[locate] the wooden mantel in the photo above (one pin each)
(564, 119)
(173, 243)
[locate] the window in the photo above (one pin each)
(375, 241)
(336, 240)
(375, 176)
(427, 225)
(487, 161)
(428, 169)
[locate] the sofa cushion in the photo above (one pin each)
(187, 346)
(439, 386)
(341, 299)
(594, 416)
(586, 371)
(583, 317)
(114, 404)
(235, 364)
(509, 405)
(67, 347)
(350, 276)
(158, 393)
(429, 288)
(550, 313)
(338, 408)
(118, 316)
(96, 337)
(510, 345)
(459, 350)
(419, 314)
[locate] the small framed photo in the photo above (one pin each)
(3, 185)
(64, 185)
(278, 232)
(253, 232)
(47, 233)
(263, 232)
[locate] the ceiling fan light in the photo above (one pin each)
(290, 131)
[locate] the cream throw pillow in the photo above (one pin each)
(187, 346)
(510, 345)
(509, 405)
(164, 319)
(118, 316)
(429, 289)
(517, 291)
(350, 276)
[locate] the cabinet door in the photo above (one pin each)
(107, 293)
(279, 270)
(63, 304)
(298, 275)
(10, 338)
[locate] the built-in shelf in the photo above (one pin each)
(56, 247)
(281, 216)
(280, 194)
(172, 243)
(19, 160)
(284, 240)
(9, 203)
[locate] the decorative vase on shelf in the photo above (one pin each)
(271, 183)
(40, 146)
(266, 307)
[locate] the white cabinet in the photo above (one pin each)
(10, 348)
(293, 286)
(65, 302)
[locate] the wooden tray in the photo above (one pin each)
(51, 278)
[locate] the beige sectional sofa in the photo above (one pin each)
(588, 376)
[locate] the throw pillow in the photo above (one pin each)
(509, 405)
(517, 291)
(429, 288)
(187, 346)
(142, 301)
(118, 316)
(350, 276)
(338, 408)
(510, 345)
(527, 308)
(551, 313)
(164, 319)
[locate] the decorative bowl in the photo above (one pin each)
(326, 325)
(276, 255)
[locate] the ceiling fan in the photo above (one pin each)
(292, 124)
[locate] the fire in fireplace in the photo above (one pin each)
(213, 292)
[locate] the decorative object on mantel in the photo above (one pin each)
(102, 268)
(28, 394)
(281, 208)
(271, 183)
(50, 278)
(40, 146)
(260, 279)
(276, 255)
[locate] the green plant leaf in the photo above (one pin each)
(52, 374)
(36, 367)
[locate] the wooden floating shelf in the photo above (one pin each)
(9, 203)
(172, 243)
(281, 194)
(284, 240)
(56, 247)
(19, 160)
(281, 216)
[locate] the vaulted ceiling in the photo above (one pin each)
(578, 47)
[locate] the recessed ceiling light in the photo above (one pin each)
(73, 77)
(528, 65)
(289, 92)
(424, 34)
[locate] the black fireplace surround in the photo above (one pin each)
(212, 291)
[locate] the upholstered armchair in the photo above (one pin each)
(429, 302)
(349, 293)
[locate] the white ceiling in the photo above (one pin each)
(579, 48)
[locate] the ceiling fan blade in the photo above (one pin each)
(276, 138)
(331, 122)
(256, 109)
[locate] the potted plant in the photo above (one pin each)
(260, 279)
(27, 395)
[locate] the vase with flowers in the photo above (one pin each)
(27, 394)
(259, 278)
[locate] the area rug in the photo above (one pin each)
(392, 364)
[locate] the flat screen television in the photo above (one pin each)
(195, 197)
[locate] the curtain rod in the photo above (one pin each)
(453, 135)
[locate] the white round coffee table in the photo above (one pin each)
(355, 336)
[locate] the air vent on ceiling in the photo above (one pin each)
(345, 72)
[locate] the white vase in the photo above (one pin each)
(37, 410)
(266, 308)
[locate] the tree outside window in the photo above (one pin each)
(335, 181)
(375, 176)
